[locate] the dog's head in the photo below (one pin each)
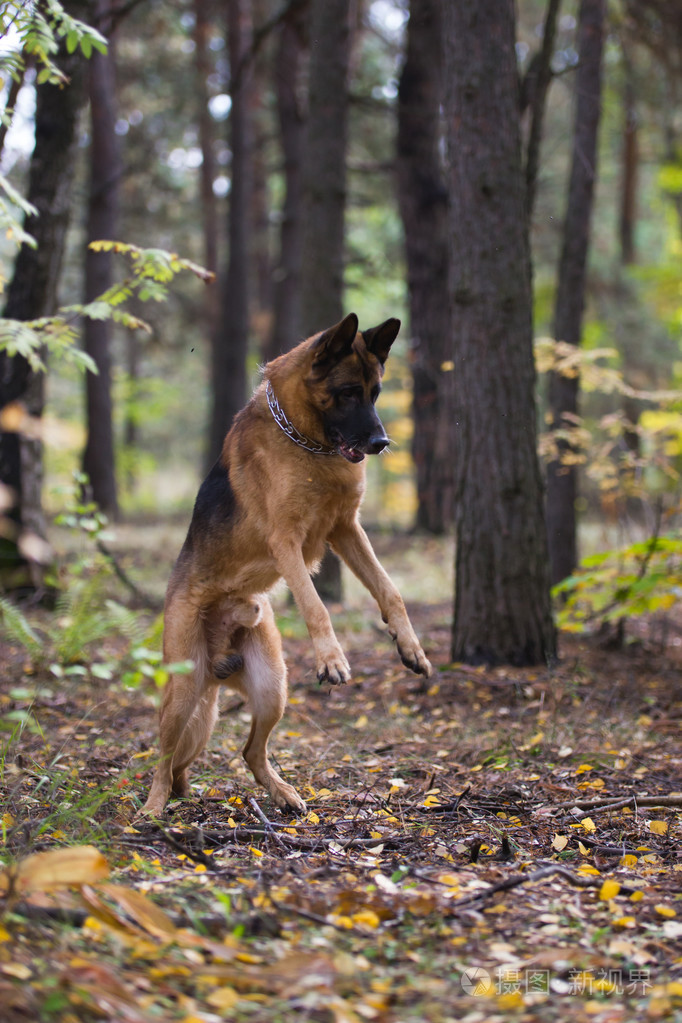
(344, 383)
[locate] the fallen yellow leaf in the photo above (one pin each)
(223, 998)
(588, 824)
(609, 890)
(366, 918)
(141, 909)
(17, 970)
(510, 1000)
(658, 827)
(667, 911)
(560, 842)
(60, 868)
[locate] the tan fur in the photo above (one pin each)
(289, 504)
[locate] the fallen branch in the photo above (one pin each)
(450, 807)
(145, 599)
(269, 827)
(538, 875)
(196, 855)
(244, 835)
(286, 907)
(612, 803)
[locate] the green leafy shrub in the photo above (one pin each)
(611, 586)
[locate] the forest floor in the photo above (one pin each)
(485, 845)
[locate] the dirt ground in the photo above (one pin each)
(484, 845)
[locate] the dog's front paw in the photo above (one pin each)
(416, 661)
(334, 668)
(412, 655)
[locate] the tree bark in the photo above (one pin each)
(324, 178)
(324, 195)
(31, 294)
(209, 218)
(570, 298)
(230, 341)
(423, 205)
(105, 172)
(502, 610)
(287, 273)
(630, 165)
(261, 257)
(536, 85)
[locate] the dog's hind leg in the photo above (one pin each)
(188, 710)
(264, 683)
(194, 737)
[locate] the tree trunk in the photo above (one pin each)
(536, 87)
(570, 298)
(502, 608)
(423, 206)
(287, 274)
(261, 258)
(230, 341)
(31, 294)
(632, 407)
(324, 175)
(105, 172)
(630, 165)
(209, 218)
(324, 195)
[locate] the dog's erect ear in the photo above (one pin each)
(379, 339)
(336, 342)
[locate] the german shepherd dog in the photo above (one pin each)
(290, 480)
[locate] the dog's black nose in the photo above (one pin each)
(377, 443)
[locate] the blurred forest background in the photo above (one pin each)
(194, 141)
(507, 179)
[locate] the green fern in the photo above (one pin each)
(17, 629)
(126, 622)
(81, 618)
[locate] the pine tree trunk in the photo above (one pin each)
(562, 484)
(287, 274)
(630, 165)
(261, 260)
(230, 341)
(105, 172)
(324, 195)
(502, 605)
(534, 95)
(423, 206)
(209, 219)
(32, 293)
(324, 176)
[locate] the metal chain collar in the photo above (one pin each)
(288, 427)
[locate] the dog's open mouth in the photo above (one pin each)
(345, 448)
(349, 453)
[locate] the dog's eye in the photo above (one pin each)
(350, 394)
(376, 391)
